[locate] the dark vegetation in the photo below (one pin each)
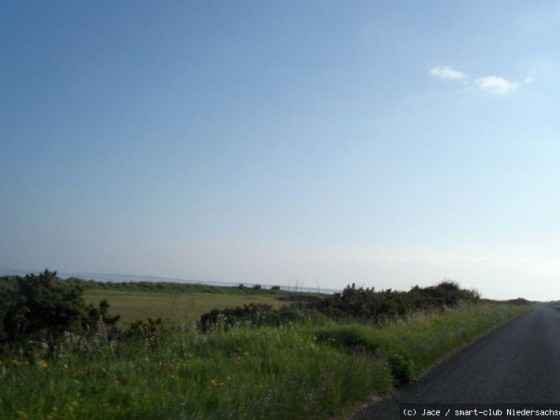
(519, 301)
(366, 304)
(352, 304)
(43, 307)
(253, 314)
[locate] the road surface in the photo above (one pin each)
(518, 363)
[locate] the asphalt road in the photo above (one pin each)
(518, 363)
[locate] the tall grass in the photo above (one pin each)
(300, 370)
(243, 373)
(414, 345)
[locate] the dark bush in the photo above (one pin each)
(146, 327)
(366, 304)
(228, 317)
(402, 369)
(151, 330)
(100, 313)
(256, 314)
(43, 307)
(519, 301)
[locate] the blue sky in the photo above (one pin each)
(296, 143)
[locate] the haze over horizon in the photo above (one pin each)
(293, 143)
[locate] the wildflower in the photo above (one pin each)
(215, 383)
(44, 364)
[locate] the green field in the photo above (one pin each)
(176, 306)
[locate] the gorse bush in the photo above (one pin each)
(255, 314)
(367, 304)
(150, 330)
(43, 307)
(445, 294)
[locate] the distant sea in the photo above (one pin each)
(135, 278)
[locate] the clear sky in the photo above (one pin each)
(301, 143)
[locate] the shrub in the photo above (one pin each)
(228, 317)
(100, 314)
(367, 304)
(151, 330)
(255, 314)
(146, 327)
(402, 368)
(44, 307)
(519, 301)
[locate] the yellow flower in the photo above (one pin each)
(44, 364)
(215, 383)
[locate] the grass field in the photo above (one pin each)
(176, 306)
